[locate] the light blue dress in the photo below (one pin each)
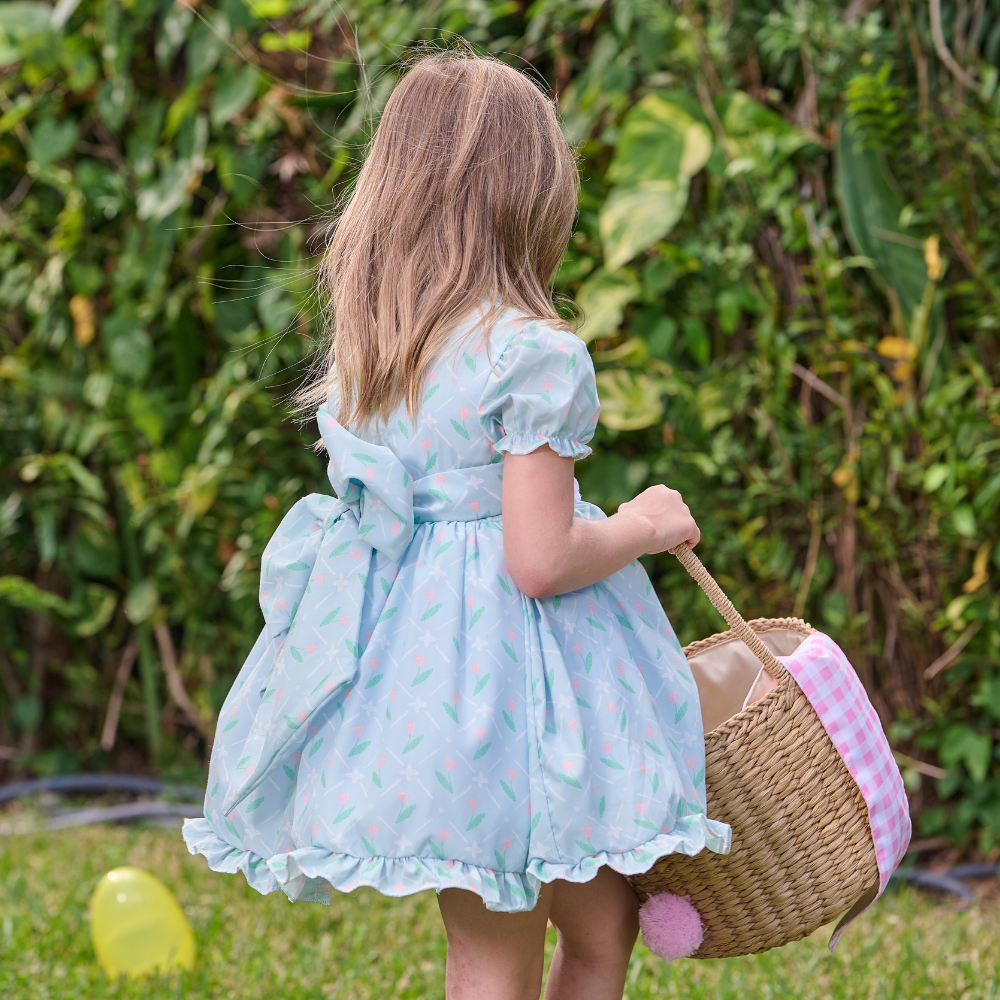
(408, 719)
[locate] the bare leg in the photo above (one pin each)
(597, 924)
(493, 956)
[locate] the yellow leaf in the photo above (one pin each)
(629, 401)
(898, 348)
(932, 257)
(82, 311)
(980, 573)
(843, 477)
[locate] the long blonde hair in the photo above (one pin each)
(467, 197)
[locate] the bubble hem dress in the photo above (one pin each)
(409, 720)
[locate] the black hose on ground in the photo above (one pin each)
(100, 783)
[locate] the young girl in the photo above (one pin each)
(465, 681)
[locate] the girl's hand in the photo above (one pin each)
(665, 518)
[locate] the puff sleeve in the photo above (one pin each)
(541, 391)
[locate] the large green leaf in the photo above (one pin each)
(634, 218)
(758, 138)
(602, 299)
(629, 400)
(871, 204)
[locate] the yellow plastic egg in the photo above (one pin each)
(137, 926)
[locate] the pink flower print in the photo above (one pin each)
(480, 410)
(640, 808)
(419, 660)
(281, 604)
(330, 422)
(328, 686)
(426, 444)
(439, 478)
(305, 798)
(392, 694)
(479, 733)
(373, 662)
(562, 347)
(359, 731)
(310, 647)
(644, 769)
(356, 554)
(454, 697)
(474, 667)
(470, 602)
(590, 608)
(381, 761)
(296, 757)
(345, 620)
(612, 707)
(547, 385)
(369, 473)
(402, 796)
(621, 605)
(312, 729)
(506, 844)
(691, 762)
(281, 691)
(672, 697)
(429, 595)
(638, 606)
(344, 798)
(511, 774)
(450, 862)
(587, 831)
(621, 670)
(450, 765)
(474, 507)
(443, 834)
(576, 683)
(463, 412)
(319, 579)
(573, 724)
(315, 829)
(430, 376)
(479, 347)
(511, 635)
(568, 764)
(576, 648)
(649, 731)
(399, 887)
(641, 669)
(503, 568)
(410, 727)
(512, 703)
(303, 716)
(368, 637)
(372, 829)
(473, 804)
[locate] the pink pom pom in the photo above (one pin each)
(671, 926)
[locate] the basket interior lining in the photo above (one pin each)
(726, 670)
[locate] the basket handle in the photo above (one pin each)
(724, 606)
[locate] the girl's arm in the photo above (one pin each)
(549, 551)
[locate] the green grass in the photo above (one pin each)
(365, 945)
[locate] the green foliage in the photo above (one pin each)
(786, 263)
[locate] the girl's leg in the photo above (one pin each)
(597, 924)
(493, 956)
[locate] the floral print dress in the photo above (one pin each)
(407, 718)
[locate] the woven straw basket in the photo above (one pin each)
(802, 850)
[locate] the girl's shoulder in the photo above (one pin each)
(518, 339)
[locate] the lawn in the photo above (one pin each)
(912, 946)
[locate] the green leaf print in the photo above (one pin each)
(376, 780)
(360, 748)
(420, 678)
(570, 780)
(445, 781)
(291, 723)
(352, 648)
(652, 746)
(534, 821)
(230, 724)
(440, 494)
(412, 744)
(475, 821)
(295, 653)
(612, 763)
(504, 385)
(322, 779)
(530, 343)
(451, 711)
(645, 823)
(586, 847)
(255, 804)
(509, 721)
(621, 723)
(215, 788)
(361, 456)
(590, 394)
(405, 813)
(232, 829)
(624, 683)
(254, 865)
(470, 361)
(315, 747)
(503, 583)
(644, 622)
(341, 548)
(570, 363)
(430, 392)
(480, 684)
(510, 652)
(624, 622)
(699, 777)
(438, 853)
(369, 846)
(588, 662)
(387, 614)
(429, 464)
(343, 814)
(600, 808)
(372, 681)
(582, 702)
(656, 780)
(386, 585)
(459, 429)
(297, 565)
(330, 617)
(458, 648)
(501, 864)
(546, 397)
(556, 602)
(477, 614)
(508, 791)
(484, 749)
(402, 429)
(680, 713)
(596, 624)
(431, 612)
